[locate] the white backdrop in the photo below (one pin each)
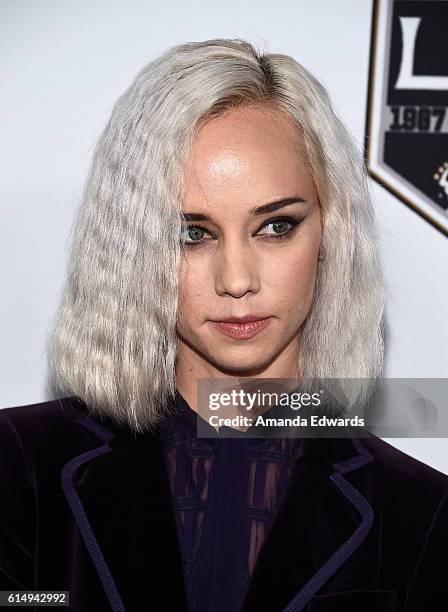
(64, 64)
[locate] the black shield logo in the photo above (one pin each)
(407, 114)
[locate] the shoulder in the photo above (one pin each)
(409, 488)
(55, 410)
(40, 437)
(398, 467)
(40, 422)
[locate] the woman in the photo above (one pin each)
(224, 187)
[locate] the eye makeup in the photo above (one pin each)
(294, 222)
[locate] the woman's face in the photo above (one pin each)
(242, 261)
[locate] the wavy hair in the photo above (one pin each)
(113, 341)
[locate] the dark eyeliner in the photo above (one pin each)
(291, 220)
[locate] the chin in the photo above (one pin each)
(239, 365)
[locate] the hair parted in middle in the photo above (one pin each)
(114, 342)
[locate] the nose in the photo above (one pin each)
(236, 270)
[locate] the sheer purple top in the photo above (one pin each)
(225, 494)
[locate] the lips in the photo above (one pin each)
(238, 327)
(246, 319)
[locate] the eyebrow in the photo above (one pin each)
(259, 210)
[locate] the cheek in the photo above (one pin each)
(295, 263)
(193, 280)
(293, 279)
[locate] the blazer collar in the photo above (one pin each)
(120, 498)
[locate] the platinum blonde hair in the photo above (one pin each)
(114, 342)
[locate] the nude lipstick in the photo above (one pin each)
(242, 327)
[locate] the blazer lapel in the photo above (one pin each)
(321, 523)
(119, 496)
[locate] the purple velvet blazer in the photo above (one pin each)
(85, 507)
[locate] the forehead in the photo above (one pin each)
(251, 152)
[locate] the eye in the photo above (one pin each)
(192, 234)
(280, 226)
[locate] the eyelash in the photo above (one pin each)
(291, 220)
